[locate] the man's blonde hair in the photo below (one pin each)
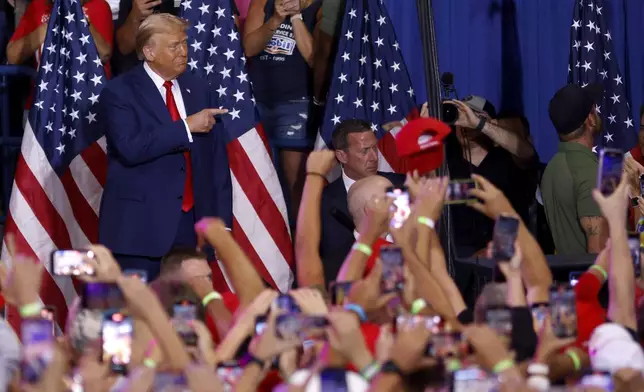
(157, 24)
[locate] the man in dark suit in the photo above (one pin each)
(167, 165)
(356, 149)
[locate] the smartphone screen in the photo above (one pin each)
(300, 326)
(116, 333)
(499, 319)
(400, 207)
(142, 275)
(634, 246)
(393, 276)
(431, 323)
(71, 262)
(170, 382)
(184, 312)
(286, 303)
(473, 379)
(37, 348)
(49, 313)
(602, 380)
(339, 291)
(445, 344)
(505, 234)
(260, 324)
(539, 313)
(642, 185)
(611, 164)
(102, 296)
(573, 277)
(229, 373)
(458, 191)
(563, 311)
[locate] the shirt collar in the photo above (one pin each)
(573, 146)
(347, 181)
(156, 79)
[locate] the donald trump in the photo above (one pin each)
(167, 162)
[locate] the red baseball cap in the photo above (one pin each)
(422, 141)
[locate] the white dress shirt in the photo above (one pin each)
(176, 92)
(347, 181)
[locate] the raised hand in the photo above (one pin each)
(321, 162)
(492, 202)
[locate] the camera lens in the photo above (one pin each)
(450, 113)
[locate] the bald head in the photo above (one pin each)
(362, 191)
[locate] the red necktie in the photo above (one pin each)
(188, 198)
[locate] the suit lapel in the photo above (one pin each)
(187, 94)
(150, 95)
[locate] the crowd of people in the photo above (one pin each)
(377, 303)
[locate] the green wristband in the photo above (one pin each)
(370, 371)
(360, 247)
(503, 366)
(213, 295)
(575, 358)
(418, 305)
(423, 220)
(149, 363)
(30, 310)
(600, 269)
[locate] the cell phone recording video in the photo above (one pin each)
(229, 373)
(447, 344)
(473, 379)
(573, 277)
(49, 313)
(260, 324)
(183, 313)
(102, 296)
(116, 333)
(539, 313)
(339, 291)
(505, 234)
(563, 311)
(458, 191)
(71, 262)
(37, 339)
(642, 185)
(393, 274)
(499, 319)
(300, 326)
(286, 303)
(431, 323)
(142, 275)
(611, 164)
(400, 207)
(634, 246)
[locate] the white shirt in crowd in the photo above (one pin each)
(176, 92)
(347, 181)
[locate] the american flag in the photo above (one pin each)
(592, 60)
(62, 165)
(369, 81)
(260, 223)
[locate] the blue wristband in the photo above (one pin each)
(357, 309)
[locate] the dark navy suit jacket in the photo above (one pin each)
(142, 198)
(337, 225)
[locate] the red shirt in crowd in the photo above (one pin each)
(97, 11)
(590, 313)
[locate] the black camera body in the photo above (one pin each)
(449, 110)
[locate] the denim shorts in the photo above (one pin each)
(290, 124)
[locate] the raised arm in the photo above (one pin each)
(257, 33)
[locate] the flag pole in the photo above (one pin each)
(433, 86)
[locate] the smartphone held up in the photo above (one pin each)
(611, 165)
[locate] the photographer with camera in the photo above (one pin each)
(480, 146)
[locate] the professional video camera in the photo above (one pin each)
(450, 111)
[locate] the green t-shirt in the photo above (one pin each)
(332, 12)
(566, 189)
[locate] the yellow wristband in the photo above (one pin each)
(600, 269)
(213, 295)
(423, 220)
(503, 366)
(150, 363)
(30, 310)
(360, 247)
(575, 358)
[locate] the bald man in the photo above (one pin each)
(361, 192)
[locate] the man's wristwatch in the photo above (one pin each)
(390, 367)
